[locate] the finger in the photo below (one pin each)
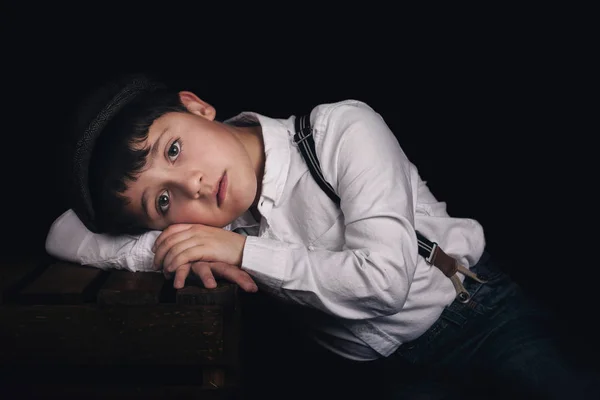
(177, 249)
(181, 275)
(171, 229)
(234, 274)
(203, 271)
(167, 244)
(192, 254)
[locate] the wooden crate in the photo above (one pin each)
(68, 329)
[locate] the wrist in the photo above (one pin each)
(242, 244)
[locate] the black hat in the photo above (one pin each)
(94, 114)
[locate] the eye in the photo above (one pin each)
(162, 202)
(174, 150)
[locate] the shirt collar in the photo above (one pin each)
(277, 152)
(246, 220)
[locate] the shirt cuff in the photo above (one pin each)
(265, 260)
(143, 253)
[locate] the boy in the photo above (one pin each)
(157, 178)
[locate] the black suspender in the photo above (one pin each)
(429, 250)
(306, 143)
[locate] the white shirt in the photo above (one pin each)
(358, 264)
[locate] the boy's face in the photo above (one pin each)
(198, 171)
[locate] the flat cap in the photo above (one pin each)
(94, 113)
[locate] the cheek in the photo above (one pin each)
(244, 190)
(195, 215)
(211, 156)
(133, 197)
(188, 214)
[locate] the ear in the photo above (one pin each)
(197, 106)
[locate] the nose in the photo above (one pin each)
(191, 184)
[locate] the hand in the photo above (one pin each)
(181, 244)
(205, 250)
(207, 271)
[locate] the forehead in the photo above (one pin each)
(167, 121)
(133, 194)
(158, 127)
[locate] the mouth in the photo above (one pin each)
(222, 190)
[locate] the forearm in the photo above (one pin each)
(68, 239)
(352, 284)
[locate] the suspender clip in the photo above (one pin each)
(430, 259)
(303, 129)
(299, 139)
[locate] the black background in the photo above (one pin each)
(480, 100)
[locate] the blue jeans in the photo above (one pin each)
(499, 344)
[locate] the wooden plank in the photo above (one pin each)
(91, 335)
(142, 377)
(131, 288)
(15, 274)
(232, 335)
(194, 293)
(62, 283)
(108, 390)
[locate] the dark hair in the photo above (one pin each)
(118, 158)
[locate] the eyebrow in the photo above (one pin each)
(153, 150)
(155, 145)
(145, 204)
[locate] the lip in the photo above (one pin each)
(222, 190)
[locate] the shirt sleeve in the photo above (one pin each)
(375, 181)
(69, 239)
